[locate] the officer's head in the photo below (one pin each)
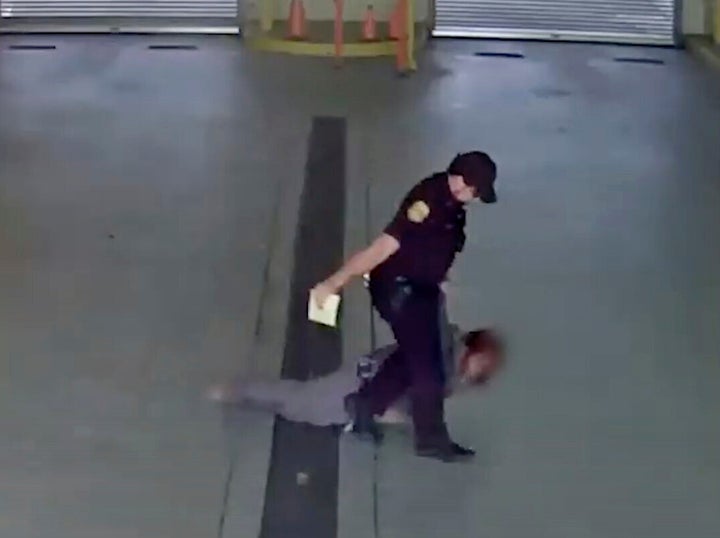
(484, 355)
(472, 175)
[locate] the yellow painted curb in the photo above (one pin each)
(307, 48)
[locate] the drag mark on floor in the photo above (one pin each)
(302, 483)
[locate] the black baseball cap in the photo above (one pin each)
(477, 170)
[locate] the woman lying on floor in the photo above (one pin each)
(471, 359)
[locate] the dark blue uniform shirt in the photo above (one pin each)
(430, 227)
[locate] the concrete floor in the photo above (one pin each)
(142, 193)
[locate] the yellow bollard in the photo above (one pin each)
(410, 42)
(267, 15)
(406, 40)
(716, 25)
(338, 34)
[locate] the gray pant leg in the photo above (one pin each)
(272, 395)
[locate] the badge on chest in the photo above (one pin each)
(418, 212)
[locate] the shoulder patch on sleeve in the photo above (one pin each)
(418, 212)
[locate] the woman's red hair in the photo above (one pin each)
(488, 343)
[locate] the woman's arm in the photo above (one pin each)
(380, 354)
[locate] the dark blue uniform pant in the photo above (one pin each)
(413, 313)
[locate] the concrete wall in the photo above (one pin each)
(325, 9)
(697, 17)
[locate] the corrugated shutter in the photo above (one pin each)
(138, 10)
(634, 21)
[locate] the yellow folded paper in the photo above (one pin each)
(327, 314)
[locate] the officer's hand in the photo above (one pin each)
(322, 291)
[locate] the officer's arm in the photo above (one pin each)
(365, 261)
(411, 215)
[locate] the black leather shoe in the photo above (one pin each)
(447, 453)
(461, 451)
(364, 425)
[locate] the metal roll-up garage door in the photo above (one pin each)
(209, 16)
(624, 21)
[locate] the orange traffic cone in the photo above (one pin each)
(369, 29)
(396, 22)
(296, 21)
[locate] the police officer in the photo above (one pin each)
(407, 265)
